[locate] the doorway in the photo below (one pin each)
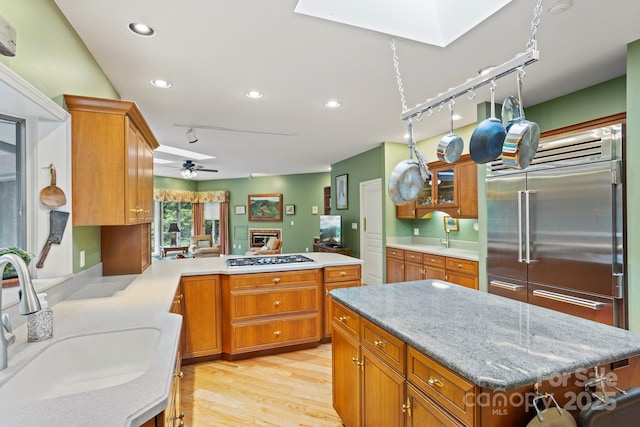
(371, 231)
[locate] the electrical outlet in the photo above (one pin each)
(354, 225)
(292, 223)
(306, 249)
(416, 231)
(82, 259)
(234, 246)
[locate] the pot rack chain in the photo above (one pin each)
(521, 60)
(422, 160)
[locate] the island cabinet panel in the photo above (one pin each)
(201, 322)
(266, 311)
(422, 411)
(395, 265)
(346, 276)
(445, 387)
(382, 392)
(383, 345)
(346, 374)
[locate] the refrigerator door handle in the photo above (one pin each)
(505, 285)
(527, 226)
(594, 305)
(520, 255)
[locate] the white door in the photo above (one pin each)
(371, 231)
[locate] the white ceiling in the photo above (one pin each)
(214, 51)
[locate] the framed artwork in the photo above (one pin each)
(265, 207)
(450, 224)
(241, 209)
(342, 196)
(290, 209)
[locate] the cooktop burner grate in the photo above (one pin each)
(266, 260)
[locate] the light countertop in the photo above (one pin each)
(492, 341)
(458, 249)
(104, 305)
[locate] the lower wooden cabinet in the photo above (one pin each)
(202, 327)
(382, 392)
(346, 377)
(421, 411)
(346, 276)
(395, 265)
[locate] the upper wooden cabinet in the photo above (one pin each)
(453, 189)
(112, 162)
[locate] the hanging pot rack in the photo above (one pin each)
(523, 59)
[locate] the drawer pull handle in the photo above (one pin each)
(276, 303)
(433, 260)
(356, 361)
(581, 302)
(276, 280)
(460, 265)
(378, 343)
(343, 273)
(277, 333)
(407, 407)
(179, 374)
(435, 382)
(326, 291)
(343, 318)
(506, 286)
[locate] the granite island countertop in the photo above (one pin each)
(140, 301)
(494, 342)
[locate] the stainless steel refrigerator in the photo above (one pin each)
(555, 230)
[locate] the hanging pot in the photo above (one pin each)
(487, 138)
(510, 111)
(405, 182)
(451, 145)
(523, 137)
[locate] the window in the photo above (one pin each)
(212, 220)
(165, 214)
(12, 182)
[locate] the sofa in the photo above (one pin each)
(273, 246)
(202, 246)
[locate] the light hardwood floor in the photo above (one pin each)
(290, 389)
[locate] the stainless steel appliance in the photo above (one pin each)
(555, 230)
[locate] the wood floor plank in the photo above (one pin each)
(284, 390)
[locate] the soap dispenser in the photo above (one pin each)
(40, 323)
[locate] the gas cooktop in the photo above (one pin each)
(266, 260)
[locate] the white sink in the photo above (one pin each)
(83, 363)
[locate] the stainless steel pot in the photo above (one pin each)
(405, 182)
(451, 145)
(487, 138)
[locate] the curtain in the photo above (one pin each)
(197, 218)
(164, 195)
(224, 225)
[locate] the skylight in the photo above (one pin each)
(435, 22)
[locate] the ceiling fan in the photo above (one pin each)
(190, 169)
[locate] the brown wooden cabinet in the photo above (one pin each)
(462, 272)
(327, 200)
(125, 249)
(346, 276)
(453, 189)
(112, 162)
(202, 327)
(394, 265)
(346, 372)
(319, 247)
(265, 311)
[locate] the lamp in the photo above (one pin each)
(191, 136)
(174, 230)
(188, 173)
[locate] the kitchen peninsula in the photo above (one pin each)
(145, 302)
(465, 358)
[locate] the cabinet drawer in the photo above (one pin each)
(342, 273)
(462, 265)
(251, 305)
(271, 334)
(442, 385)
(384, 345)
(466, 280)
(395, 253)
(424, 412)
(348, 319)
(411, 256)
(280, 279)
(434, 260)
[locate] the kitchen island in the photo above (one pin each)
(140, 302)
(462, 348)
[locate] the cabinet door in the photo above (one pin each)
(131, 178)
(421, 411)
(345, 354)
(433, 273)
(201, 316)
(467, 188)
(413, 271)
(328, 287)
(145, 180)
(395, 270)
(406, 211)
(382, 393)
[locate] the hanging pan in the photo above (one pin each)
(523, 137)
(405, 182)
(488, 137)
(451, 145)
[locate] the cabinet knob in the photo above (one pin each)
(356, 361)
(277, 333)
(459, 265)
(179, 374)
(407, 407)
(276, 280)
(343, 273)
(435, 382)
(326, 291)
(378, 343)
(276, 303)
(343, 318)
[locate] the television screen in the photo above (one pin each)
(330, 229)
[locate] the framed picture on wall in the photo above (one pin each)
(290, 209)
(265, 207)
(241, 209)
(342, 196)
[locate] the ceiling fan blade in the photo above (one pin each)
(205, 170)
(232, 129)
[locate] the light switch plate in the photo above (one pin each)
(354, 225)
(416, 231)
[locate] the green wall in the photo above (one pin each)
(303, 191)
(51, 56)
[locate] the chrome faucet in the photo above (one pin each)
(446, 243)
(28, 302)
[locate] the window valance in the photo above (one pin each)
(164, 195)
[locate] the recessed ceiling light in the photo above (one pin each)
(456, 117)
(560, 6)
(255, 94)
(162, 84)
(183, 153)
(142, 29)
(332, 103)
